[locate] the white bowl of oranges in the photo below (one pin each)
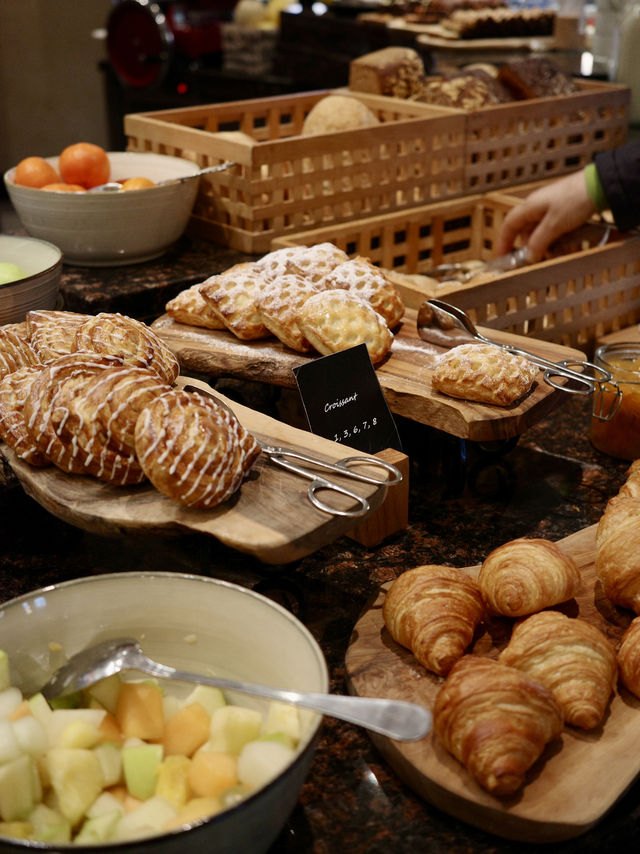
(56, 200)
(133, 763)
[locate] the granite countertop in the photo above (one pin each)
(464, 500)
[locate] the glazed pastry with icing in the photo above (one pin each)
(53, 333)
(14, 388)
(434, 611)
(496, 720)
(572, 658)
(192, 450)
(526, 575)
(15, 352)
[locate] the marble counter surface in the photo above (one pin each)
(464, 501)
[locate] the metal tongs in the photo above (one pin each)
(447, 326)
(462, 271)
(291, 460)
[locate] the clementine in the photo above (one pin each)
(84, 163)
(137, 184)
(35, 172)
(60, 187)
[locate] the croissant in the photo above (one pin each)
(495, 720)
(617, 560)
(629, 657)
(434, 611)
(572, 658)
(526, 575)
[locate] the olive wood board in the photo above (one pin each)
(269, 517)
(438, 35)
(404, 376)
(579, 776)
(629, 335)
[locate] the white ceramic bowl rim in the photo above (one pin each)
(44, 270)
(152, 841)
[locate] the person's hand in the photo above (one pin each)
(545, 215)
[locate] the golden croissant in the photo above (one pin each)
(617, 560)
(629, 657)
(526, 575)
(572, 658)
(495, 720)
(433, 611)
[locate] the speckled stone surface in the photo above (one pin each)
(464, 501)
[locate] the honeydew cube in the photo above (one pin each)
(100, 828)
(5, 677)
(139, 711)
(76, 778)
(173, 780)
(9, 745)
(282, 737)
(79, 733)
(31, 735)
(283, 718)
(16, 829)
(105, 692)
(194, 810)
(261, 761)
(232, 727)
(62, 718)
(140, 767)
(210, 773)
(110, 758)
(41, 709)
(106, 802)
(49, 825)
(147, 820)
(10, 699)
(18, 788)
(210, 698)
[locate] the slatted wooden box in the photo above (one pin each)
(283, 182)
(572, 299)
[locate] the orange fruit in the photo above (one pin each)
(84, 163)
(137, 184)
(35, 172)
(64, 188)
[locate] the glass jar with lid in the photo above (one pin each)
(619, 436)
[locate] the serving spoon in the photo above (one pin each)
(114, 186)
(394, 718)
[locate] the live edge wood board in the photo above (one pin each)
(405, 375)
(579, 776)
(269, 517)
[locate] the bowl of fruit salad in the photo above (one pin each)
(132, 762)
(29, 276)
(138, 219)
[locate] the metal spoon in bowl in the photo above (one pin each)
(114, 186)
(393, 718)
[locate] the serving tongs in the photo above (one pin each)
(462, 271)
(447, 326)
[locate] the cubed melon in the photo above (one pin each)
(173, 780)
(76, 778)
(232, 727)
(210, 773)
(186, 731)
(139, 711)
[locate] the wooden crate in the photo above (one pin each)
(571, 300)
(283, 182)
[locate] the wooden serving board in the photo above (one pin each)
(405, 376)
(631, 334)
(578, 778)
(437, 35)
(269, 517)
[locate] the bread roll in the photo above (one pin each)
(338, 113)
(433, 611)
(496, 721)
(526, 575)
(572, 658)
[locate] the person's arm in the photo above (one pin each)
(619, 174)
(546, 214)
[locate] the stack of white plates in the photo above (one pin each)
(42, 262)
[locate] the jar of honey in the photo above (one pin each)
(618, 436)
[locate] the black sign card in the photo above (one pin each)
(343, 401)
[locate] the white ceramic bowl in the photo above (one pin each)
(42, 261)
(190, 622)
(111, 228)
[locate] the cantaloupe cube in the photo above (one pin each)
(186, 731)
(109, 729)
(139, 712)
(194, 810)
(172, 781)
(20, 711)
(211, 773)
(119, 792)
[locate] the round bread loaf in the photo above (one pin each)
(336, 113)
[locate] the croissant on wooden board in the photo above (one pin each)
(433, 611)
(572, 658)
(629, 657)
(526, 575)
(496, 720)
(617, 561)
